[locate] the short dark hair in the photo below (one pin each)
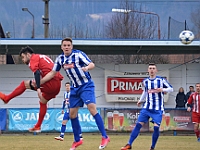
(152, 64)
(192, 86)
(66, 39)
(26, 50)
(67, 83)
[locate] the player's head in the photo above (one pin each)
(67, 46)
(25, 54)
(198, 87)
(67, 86)
(152, 69)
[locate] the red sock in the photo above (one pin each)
(42, 113)
(18, 91)
(197, 133)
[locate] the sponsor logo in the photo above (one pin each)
(182, 119)
(17, 116)
(116, 85)
(59, 117)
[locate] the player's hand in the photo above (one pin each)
(62, 112)
(33, 83)
(39, 93)
(138, 103)
(188, 109)
(85, 68)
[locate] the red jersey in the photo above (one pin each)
(44, 64)
(194, 100)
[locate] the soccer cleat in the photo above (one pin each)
(198, 140)
(35, 129)
(81, 138)
(59, 138)
(151, 148)
(76, 144)
(104, 142)
(3, 97)
(127, 146)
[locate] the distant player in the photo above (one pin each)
(77, 65)
(66, 113)
(194, 105)
(40, 65)
(154, 89)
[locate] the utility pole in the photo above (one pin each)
(46, 18)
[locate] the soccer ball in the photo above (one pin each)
(186, 37)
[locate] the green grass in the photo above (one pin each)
(92, 141)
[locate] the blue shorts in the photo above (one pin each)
(81, 95)
(66, 116)
(156, 116)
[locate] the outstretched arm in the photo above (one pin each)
(48, 77)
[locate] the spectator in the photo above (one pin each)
(190, 92)
(181, 99)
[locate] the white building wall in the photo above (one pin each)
(12, 75)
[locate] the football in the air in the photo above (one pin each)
(186, 37)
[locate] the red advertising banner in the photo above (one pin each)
(122, 119)
(175, 119)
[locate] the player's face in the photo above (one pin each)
(25, 58)
(198, 88)
(67, 86)
(67, 47)
(152, 70)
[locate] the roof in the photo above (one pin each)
(102, 46)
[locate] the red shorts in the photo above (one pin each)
(195, 117)
(50, 89)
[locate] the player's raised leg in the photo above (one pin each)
(16, 92)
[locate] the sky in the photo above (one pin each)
(94, 13)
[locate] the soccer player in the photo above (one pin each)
(77, 64)
(40, 65)
(66, 113)
(153, 107)
(194, 105)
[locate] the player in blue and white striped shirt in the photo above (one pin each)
(153, 107)
(65, 111)
(76, 65)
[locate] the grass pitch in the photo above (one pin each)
(92, 141)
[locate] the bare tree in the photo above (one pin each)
(196, 20)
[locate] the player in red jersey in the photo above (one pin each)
(40, 65)
(194, 105)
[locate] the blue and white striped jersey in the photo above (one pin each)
(155, 100)
(66, 99)
(72, 65)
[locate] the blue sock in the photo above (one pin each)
(135, 133)
(76, 128)
(62, 131)
(100, 125)
(155, 136)
(79, 131)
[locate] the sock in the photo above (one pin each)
(76, 128)
(197, 133)
(79, 131)
(135, 133)
(155, 136)
(17, 91)
(100, 125)
(43, 110)
(62, 131)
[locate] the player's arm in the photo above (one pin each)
(167, 88)
(48, 76)
(52, 73)
(90, 66)
(63, 106)
(37, 78)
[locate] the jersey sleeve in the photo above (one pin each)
(166, 86)
(189, 101)
(57, 65)
(34, 63)
(84, 58)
